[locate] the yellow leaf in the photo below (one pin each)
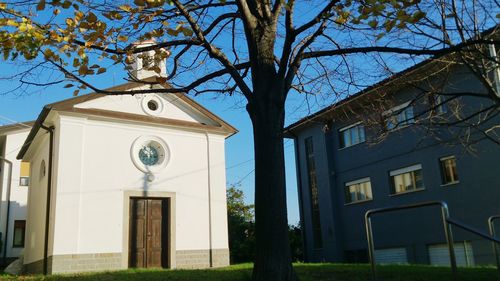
(12, 23)
(125, 8)
(22, 27)
(70, 22)
(101, 70)
(3, 5)
(79, 15)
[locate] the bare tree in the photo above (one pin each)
(260, 49)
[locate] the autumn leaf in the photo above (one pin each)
(122, 38)
(66, 4)
(41, 5)
(68, 85)
(125, 8)
(91, 17)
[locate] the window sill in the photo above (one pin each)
(450, 184)
(358, 202)
(18, 247)
(346, 147)
(407, 192)
(399, 127)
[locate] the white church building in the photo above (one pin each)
(14, 184)
(124, 181)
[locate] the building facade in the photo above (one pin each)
(382, 147)
(126, 181)
(14, 184)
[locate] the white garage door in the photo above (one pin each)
(439, 254)
(391, 255)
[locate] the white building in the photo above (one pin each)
(124, 181)
(14, 182)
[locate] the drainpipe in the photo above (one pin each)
(47, 208)
(9, 184)
(210, 251)
(299, 188)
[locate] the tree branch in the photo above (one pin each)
(395, 50)
(317, 18)
(215, 52)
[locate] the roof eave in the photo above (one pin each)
(34, 131)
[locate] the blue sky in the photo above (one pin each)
(21, 106)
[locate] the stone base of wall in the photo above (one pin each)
(192, 259)
(196, 259)
(34, 267)
(77, 263)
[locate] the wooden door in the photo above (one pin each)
(147, 232)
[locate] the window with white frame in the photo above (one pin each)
(407, 179)
(352, 134)
(449, 173)
(399, 116)
(358, 191)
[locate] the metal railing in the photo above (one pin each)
(447, 222)
(445, 215)
(492, 233)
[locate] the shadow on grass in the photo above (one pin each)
(306, 272)
(362, 272)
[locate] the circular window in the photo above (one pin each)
(43, 169)
(150, 154)
(152, 104)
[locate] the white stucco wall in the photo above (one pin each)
(172, 106)
(18, 195)
(94, 170)
(37, 198)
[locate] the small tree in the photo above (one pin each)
(241, 227)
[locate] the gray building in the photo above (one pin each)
(420, 135)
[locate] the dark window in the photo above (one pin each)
(358, 191)
(449, 173)
(19, 232)
(407, 179)
(399, 116)
(313, 192)
(352, 135)
(437, 104)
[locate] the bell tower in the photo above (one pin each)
(149, 63)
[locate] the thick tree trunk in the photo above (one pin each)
(273, 255)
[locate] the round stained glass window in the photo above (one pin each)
(149, 155)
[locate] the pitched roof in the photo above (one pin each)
(417, 68)
(5, 130)
(313, 117)
(68, 105)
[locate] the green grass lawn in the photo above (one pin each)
(306, 272)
